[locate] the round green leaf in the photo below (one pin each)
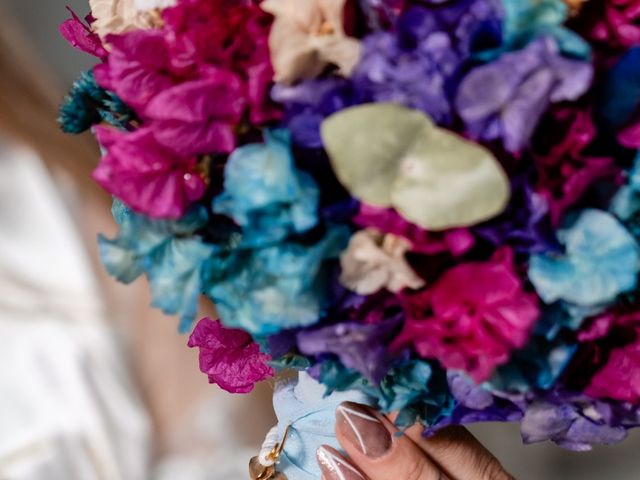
(391, 156)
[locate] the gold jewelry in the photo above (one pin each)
(258, 471)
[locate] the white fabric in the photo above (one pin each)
(67, 407)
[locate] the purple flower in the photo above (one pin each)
(505, 99)
(525, 224)
(361, 347)
(415, 65)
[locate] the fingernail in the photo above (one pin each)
(363, 430)
(335, 467)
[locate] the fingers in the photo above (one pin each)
(459, 454)
(335, 466)
(372, 443)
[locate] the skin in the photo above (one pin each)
(451, 454)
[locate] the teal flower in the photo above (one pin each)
(601, 262)
(265, 194)
(526, 20)
(417, 390)
(167, 252)
(276, 287)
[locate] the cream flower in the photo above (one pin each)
(307, 36)
(374, 261)
(117, 16)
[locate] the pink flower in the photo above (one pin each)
(199, 117)
(565, 172)
(473, 317)
(456, 241)
(610, 355)
(230, 358)
(618, 24)
(145, 175)
(236, 41)
(138, 68)
(81, 36)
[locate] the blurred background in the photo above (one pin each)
(180, 428)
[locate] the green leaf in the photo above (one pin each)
(392, 156)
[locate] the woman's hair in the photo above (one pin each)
(29, 100)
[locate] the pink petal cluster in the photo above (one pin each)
(230, 358)
(81, 36)
(619, 25)
(146, 175)
(456, 241)
(565, 171)
(472, 317)
(191, 83)
(611, 344)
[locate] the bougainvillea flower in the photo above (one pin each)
(566, 172)
(201, 38)
(138, 68)
(456, 241)
(480, 314)
(118, 16)
(306, 37)
(200, 116)
(145, 175)
(81, 36)
(602, 260)
(505, 99)
(374, 261)
(619, 24)
(230, 358)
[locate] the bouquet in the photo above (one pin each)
(433, 203)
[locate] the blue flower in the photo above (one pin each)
(264, 193)
(281, 286)
(526, 20)
(601, 262)
(417, 390)
(167, 252)
(626, 203)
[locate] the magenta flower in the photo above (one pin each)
(145, 175)
(81, 36)
(473, 317)
(138, 68)
(230, 358)
(199, 117)
(612, 346)
(456, 241)
(236, 41)
(619, 23)
(565, 170)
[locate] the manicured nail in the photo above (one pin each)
(335, 467)
(363, 430)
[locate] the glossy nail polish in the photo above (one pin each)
(335, 467)
(363, 430)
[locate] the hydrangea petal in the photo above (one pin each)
(602, 261)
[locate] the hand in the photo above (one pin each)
(378, 451)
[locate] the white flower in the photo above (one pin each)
(118, 16)
(307, 36)
(374, 261)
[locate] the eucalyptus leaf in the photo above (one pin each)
(388, 155)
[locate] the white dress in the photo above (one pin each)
(68, 409)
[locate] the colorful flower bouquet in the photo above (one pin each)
(435, 203)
